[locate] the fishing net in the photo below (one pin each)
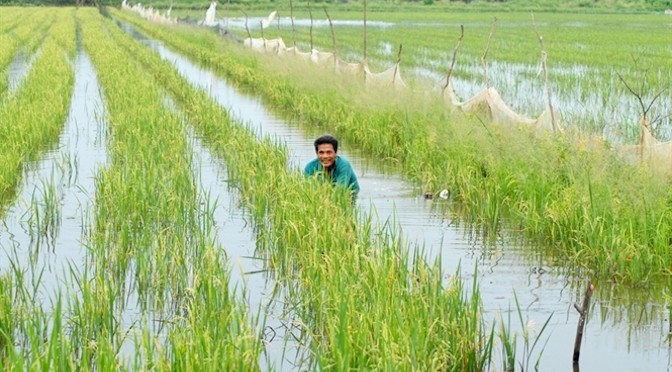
(265, 45)
(322, 57)
(489, 105)
(210, 14)
(294, 52)
(387, 78)
(657, 155)
(150, 14)
(356, 69)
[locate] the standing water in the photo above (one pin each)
(43, 232)
(249, 277)
(18, 70)
(615, 339)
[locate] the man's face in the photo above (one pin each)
(326, 154)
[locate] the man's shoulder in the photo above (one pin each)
(343, 161)
(344, 167)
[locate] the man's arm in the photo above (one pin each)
(346, 175)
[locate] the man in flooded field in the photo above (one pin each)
(330, 166)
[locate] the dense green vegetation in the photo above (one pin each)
(345, 318)
(627, 6)
(569, 193)
(568, 196)
(25, 132)
(150, 240)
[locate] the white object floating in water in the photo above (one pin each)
(444, 194)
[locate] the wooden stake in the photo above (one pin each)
(333, 35)
(331, 27)
(452, 63)
(485, 54)
(365, 5)
(556, 128)
(396, 67)
(311, 27)
(583, 311)
(249, 35)
(291, 18)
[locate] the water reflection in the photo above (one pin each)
(18, 69)
(502, 267)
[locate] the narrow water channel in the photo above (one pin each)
(614, 339)
(249, 279)
(18, 69)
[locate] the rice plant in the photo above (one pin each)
(542, 184)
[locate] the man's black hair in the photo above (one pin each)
(326, 138)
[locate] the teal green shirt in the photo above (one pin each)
(341, 173)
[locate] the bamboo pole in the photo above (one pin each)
(396, 67)
(333, 36)
(310, 12)
(249, 35)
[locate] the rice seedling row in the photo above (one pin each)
(10, 18)
(234, 231)
(21, 41)
(565, 193)
(93, 308)
(31, 122)
(346, 279)
(32, 118)
(148, 238)
(6, 54)
(29, 33)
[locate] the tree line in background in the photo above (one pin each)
(58, 2)
(633, 5)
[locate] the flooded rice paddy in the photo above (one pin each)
(622, 333)
(18, 69)
(45, 232)
(583, 96)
